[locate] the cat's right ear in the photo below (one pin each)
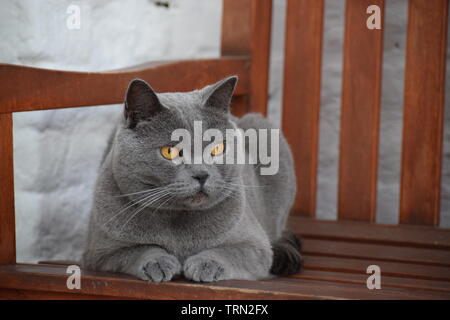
(141, 102)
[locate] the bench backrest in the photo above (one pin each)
(246, 28)
(424, 92)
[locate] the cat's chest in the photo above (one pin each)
(180, 236)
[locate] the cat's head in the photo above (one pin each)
(146, 165)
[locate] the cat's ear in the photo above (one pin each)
(220, 93)
(141, 102)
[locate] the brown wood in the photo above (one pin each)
(16, 294)
(357, 250)
(7, 219)
(360, 113)
(246, 29)
(331, 276)
(361, 232)
(236, 28)
(261, 20)
(301, 95)
(239, 105)
(357, 291)
(386, 281)
(423, 112)
(335, 268)
(26, 88)
(34, 278)
(405, 270)
(28, 277)
(318, 289)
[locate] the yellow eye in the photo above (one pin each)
(218, 149)
(170, 153)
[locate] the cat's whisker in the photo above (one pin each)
(231, 189)
(143, 191)
(145, 205)
(133, 203)
(231, 182)
(246, 186)
(170, 198)
(160, 192)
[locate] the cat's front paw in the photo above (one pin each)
(160, 268)
(204, 269)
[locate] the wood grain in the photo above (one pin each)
(236, 28)
(301, 95)
(34, 278)
(361, 232)
(414, 261)
(392, 253)
(261, 22)
(360, 113)
(423, 112)
(387, 281)
(246, 29)
(405, 270)
(27, 89)
(7, 218)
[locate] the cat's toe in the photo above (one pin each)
(203, 269)
(162, 268)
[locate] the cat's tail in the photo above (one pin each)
(287, 258)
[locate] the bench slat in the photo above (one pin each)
(346, 249)
(246, 26)
(261, 23)
(352, 231)
(7, 217)
(360, 113)
(423, 112)
(386, 281)
(53, 279)
(301, 95)
(26, 88)
(406, 270)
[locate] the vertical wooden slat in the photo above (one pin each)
(261, 21)
(360, 113)
(235, 28)
(7, 220)
(246, 26)
(423, 112)
(301, 95)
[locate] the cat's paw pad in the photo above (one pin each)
(203, 269)
(161, 268)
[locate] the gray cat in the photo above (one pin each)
(155, 220)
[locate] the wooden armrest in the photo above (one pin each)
(27, 88)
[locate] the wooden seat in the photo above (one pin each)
(414, 262)
(413, 257)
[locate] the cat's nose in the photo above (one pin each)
(201, 177)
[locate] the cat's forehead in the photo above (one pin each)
(187, 107)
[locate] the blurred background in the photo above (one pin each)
(57, 152)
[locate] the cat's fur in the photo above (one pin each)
(235, 232)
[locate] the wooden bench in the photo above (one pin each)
(414, 257)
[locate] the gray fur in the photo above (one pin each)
(226, 235)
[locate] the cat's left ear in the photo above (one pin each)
(220, 93)
(141, 102)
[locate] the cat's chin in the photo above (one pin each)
(201, 201)
(198, 200)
